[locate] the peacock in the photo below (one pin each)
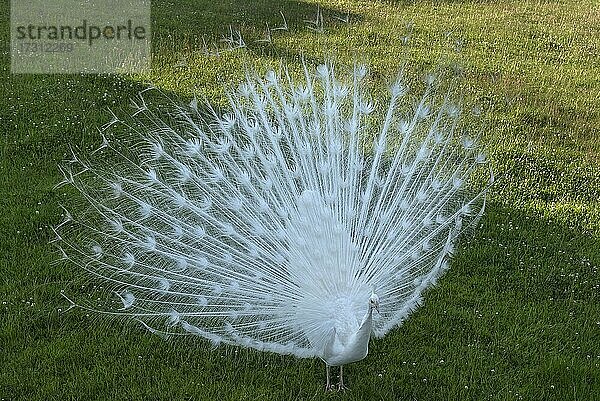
(305, 216)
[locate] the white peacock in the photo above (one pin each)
(277, 225)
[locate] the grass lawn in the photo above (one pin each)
(518, 314)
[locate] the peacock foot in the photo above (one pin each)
(341, 387)
(330, 387)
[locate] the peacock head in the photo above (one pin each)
(374, 302)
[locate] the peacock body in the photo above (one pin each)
(301, 221)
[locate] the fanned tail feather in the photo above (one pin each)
(259, 226)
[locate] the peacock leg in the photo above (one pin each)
(341, 386)
(328, 386)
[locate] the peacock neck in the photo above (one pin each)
(364, 331)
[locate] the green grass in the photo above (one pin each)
(518, 314)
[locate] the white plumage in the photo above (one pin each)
(282, 224)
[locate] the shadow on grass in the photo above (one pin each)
(202, 45)
(212, 18)
(206, 25)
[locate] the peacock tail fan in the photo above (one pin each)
(266, 225)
